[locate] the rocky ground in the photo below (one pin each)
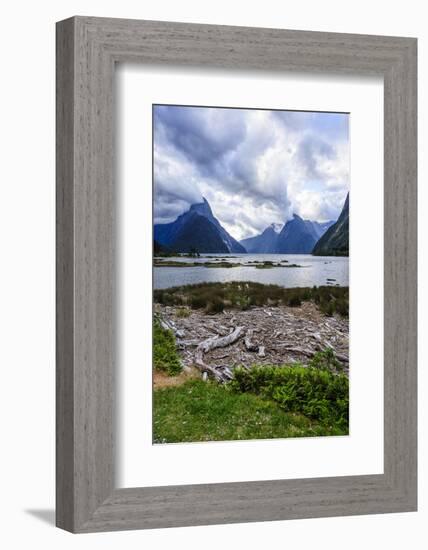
(262, 335)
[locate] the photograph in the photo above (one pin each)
(250, 273)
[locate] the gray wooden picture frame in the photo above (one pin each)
(87, 50)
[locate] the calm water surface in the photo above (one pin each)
(316, 271)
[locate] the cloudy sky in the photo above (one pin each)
(255, 167)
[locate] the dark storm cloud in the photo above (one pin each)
(203, 136)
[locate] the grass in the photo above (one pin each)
(182, 312)
(165, 355)
(243, 295)
(207, 411)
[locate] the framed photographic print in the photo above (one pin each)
(236, 274)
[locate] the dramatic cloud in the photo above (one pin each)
(254, 167)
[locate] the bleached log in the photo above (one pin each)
(310, 353)
(228, 372)
(249, 344)
(167, 324)
(204, 368)
(164, 325)
(213, 343)
(216, 342)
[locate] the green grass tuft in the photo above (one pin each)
(165, 355)
(182, 312)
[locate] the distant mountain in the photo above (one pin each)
(297, 236)
(265, 243)
(197, 229)
(335, 241)
(320, 228)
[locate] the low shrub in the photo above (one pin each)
(326, 360)
(216, 306)
(242, 295)
(197, 302)
(165, 355)
(294, 301)
(314, 392)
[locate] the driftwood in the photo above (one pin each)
(310, 353)
(182, 344)
(170, 325)
(287, 335)
(220, 330)
(219, 373)
(249, 344)
(294, 349)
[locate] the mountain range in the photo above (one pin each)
(199, 230)
(297, 236)
(335, 241)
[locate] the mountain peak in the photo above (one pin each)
(197, 228)
(277, 227)
(202, 208)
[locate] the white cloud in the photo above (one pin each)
(254, 167)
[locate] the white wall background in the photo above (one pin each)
(27, 272)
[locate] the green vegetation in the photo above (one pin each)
(219, 263)
(165, 356)
(315, 392)
(207, 411)
(326, 360)
(269, 265)
(158, 262)
(182, 312)
(161, 262)
(217, 296)
(265, 265)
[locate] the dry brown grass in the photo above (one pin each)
(163, 380)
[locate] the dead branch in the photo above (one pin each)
(214, 343)
(249, 344)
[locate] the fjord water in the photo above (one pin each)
(316, 270)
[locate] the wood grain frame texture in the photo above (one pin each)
(87, 50)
